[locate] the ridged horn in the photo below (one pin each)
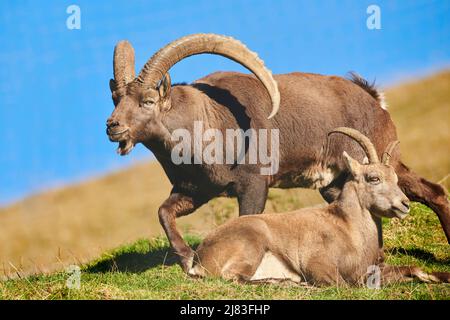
(157, 66)
(387, 154)
(362, 140)
(123, 64)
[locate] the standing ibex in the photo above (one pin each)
(334, 244)
(148, 110)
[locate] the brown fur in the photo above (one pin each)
(331, 245)
(311, 105)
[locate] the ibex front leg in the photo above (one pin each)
(178, 205)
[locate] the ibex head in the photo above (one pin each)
(375, 182)
(140, 102)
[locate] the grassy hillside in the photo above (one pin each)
(146, 269)
(76, 224)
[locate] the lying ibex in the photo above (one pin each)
(330, 245)
(148, 110)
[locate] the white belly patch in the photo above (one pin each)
(272, 267)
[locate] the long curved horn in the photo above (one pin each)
(387, 154)
(123, 64)
(362, 140)
(157, 66)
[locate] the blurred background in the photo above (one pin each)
(66, 196)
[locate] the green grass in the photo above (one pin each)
(146, 269)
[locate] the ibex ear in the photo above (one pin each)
(352, 165)
(164, 86)
(112, 85)
(365, 160)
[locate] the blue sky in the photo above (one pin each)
(54, 94)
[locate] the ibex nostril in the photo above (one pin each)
(111, 123)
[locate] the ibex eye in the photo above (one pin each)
(148, 103)
(374, 180)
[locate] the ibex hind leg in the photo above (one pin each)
(397, 274)
(232, 259)
(428, 193)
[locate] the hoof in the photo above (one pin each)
(187, 261)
